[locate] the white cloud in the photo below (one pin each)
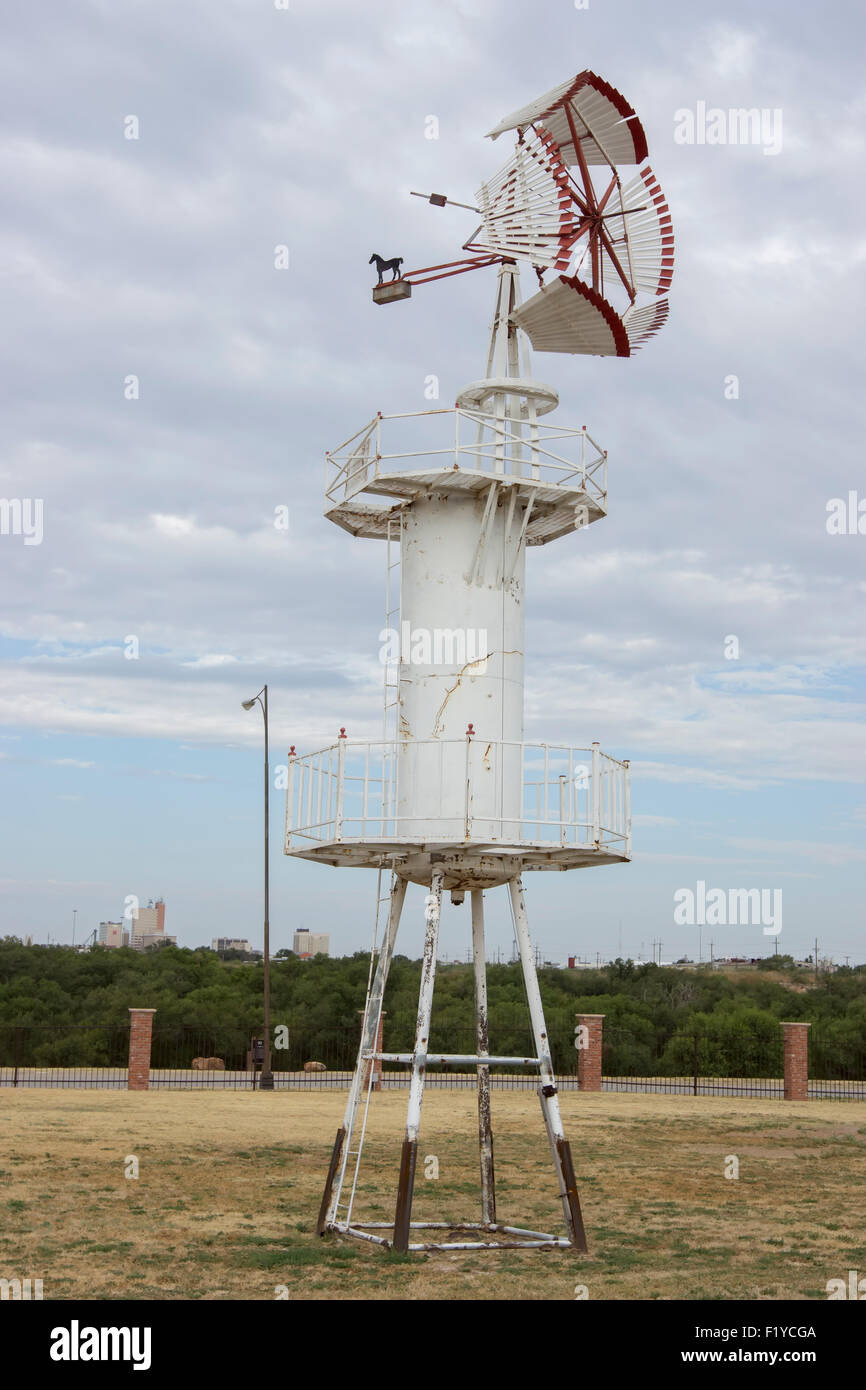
(211, 660)
(156, 258)
(731, 51)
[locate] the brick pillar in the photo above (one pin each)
(140, 1028)
(589, 1057)
(375, 1066)
(796, 1042)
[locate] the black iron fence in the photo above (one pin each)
(724, 1060)
(184, 1055)
(64, 1054)
(837, 1062)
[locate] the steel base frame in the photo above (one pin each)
(335, 1213)
(529, 1240)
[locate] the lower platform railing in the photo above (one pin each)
(540, 794)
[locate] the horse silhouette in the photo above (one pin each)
(382, 265)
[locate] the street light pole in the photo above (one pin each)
(266, 1080)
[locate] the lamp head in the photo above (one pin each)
(247, 704)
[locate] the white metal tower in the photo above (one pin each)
(453, 797)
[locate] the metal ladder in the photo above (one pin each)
(346, 1181)
(346, 1161)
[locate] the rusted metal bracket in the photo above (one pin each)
(336, 1153)
(569, 1182)
(405, 1189)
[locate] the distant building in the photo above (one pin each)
(157, 938)
(231, 943)
(148, 925)
(112, 934)
(311, 943)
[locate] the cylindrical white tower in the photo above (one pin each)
(453, 781)
(461, 661)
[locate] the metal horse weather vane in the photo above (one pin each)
(453, 797)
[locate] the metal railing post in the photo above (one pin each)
(626, 798)
(290, 797)
(341, 773)
(562, 808)
(596, 794)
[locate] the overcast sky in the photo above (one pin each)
(154, 258)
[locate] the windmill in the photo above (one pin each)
(560, 203)
(453, 797)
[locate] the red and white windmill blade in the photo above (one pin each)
(543, 206)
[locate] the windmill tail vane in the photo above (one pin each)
(561, 205)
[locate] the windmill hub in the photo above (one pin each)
(479, 394)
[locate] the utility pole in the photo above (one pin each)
(816, 960)
(266, 1078)
(74, 918)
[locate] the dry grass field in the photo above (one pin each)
(229, 1186)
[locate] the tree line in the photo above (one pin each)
(65, 1003)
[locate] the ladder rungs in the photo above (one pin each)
(470, 1058)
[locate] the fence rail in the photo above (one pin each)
(49, 1054)
(735, 1062)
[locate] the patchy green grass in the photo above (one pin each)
(229, 1187)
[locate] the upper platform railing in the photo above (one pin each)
(533, 794)
(472, 440)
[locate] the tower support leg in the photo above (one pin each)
(485, 1133)
(369, 1037)
(547, 1092)
(408, 1157)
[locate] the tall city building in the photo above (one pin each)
(311, 943)
(150, 919)
(112, 934)
(148, 926)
